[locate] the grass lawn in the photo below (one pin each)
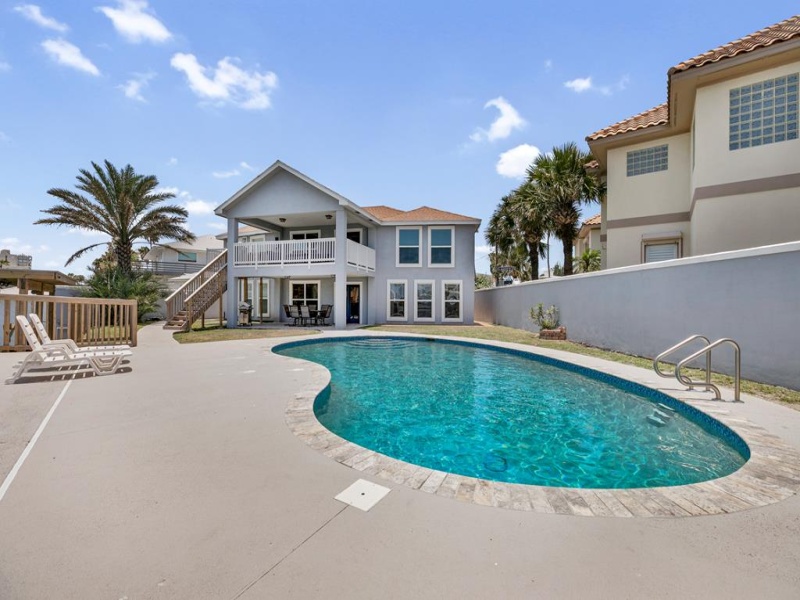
(518, 336)
(216, 333)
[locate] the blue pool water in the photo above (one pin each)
(506, 416)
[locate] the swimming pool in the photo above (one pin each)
(498, 414)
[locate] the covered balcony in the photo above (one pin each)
(302, 252)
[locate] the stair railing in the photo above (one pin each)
(737, 368)
(176, 302)
(201, 299)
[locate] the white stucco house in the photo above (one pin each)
(714, 168)
(588, 237)
(292, 241)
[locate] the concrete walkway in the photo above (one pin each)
(181, 479)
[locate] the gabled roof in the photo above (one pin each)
(780, 32)
(659, 115)
(425, 214)
(278, 166)
(589, 224)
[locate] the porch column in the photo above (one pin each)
(340, 270)
(232, 296)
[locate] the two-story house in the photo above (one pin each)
(716, 167)
(308, 245)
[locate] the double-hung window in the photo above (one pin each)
(409, 242)
(423, 300)
(441, 249)
(452, 301)
(396, 300)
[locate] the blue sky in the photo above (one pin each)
(402, 103)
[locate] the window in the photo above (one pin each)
(304, 235)
(763, 113)
(647, 160)
(354, 235)
(187, 256)
(440, 246)
(305, 292)
(408, 246)
(423, 300)
(396, 300)
(661, 246)
(451, 301)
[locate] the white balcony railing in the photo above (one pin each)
(300, 252)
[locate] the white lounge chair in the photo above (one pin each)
(67, 343)
(102, 362)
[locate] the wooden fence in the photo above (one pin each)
(88, 321)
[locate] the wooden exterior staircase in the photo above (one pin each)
(190, 302)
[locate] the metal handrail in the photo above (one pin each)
(677, 346)
(707, 351)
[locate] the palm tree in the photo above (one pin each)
(123, 205)
(532, 215)
(562, 178)
(589, 261)
(502, 233)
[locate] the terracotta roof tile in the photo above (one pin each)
(780, 32)
(655, 116)
(595, 220)
(423, 213)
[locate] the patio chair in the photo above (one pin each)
(39, 327)
(305, 314)
(324, 313)
(102, 362)
(294, 314)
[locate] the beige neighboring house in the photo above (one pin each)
(588, 237)
(14, 261)
(179, 257)
(717, 166)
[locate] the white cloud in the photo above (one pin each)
(246, 167)
(584, 84)
(172, 161)
(218, 225)
(199, 207)
(133, 87)
(69, 55)
(13, 244)
(86, 232)
(134, 21)
(548, 65)
(513, 163)
(579, 85)
(226, 174)
(4, 66)
(507, 121)
(53, 264)
(34, 13)
(227, 82)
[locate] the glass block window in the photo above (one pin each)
(647, 160)
(764, 112)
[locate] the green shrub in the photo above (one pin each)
(545, 319)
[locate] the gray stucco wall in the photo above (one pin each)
(386, 269)
(752, 296)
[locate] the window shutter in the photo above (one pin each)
(658, 252)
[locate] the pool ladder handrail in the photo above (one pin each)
(705, 350)
(678, 346)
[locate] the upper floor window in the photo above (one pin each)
(647, 160)
(187, 256)
(408, 246)
(763, 113)
(440, 246)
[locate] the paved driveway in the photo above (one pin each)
(181, 479)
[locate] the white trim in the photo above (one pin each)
(452, 262)
(306, 281)
(389, 283)
(397, 247)
(305, 232)
(432, 283)
(460, 301)
(360, 231)
(361, 303)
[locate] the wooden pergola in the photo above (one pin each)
(35, 281)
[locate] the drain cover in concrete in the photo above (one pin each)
(363, 494)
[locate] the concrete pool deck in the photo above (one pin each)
(182, 479)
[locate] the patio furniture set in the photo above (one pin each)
(304, 315)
